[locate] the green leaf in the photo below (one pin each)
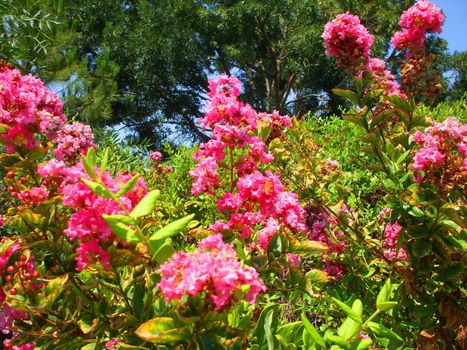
(416, 212)
(356, 119)
(317, 276)
(312, 332)
(291, 332)
(161, 330)
(128, 186)
(105, 160)
(338, 340)
(451, 271)
(90, 346)
(97, 188)
(121, 230)
(54, 288)
(269, 327)
(350, 328)
(421, 247)
(347, 94)
(400, 102)
(3, 128)
(382, 331)
(267, 320)
(348, 311)
(164, 252)
(313, 247)
(169, 230)
(146, 205)
(383, 300)
(89, 163)
(362, 344)
(385, 293)
(388, 305)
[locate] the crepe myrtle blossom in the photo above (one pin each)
(86, 223)
(73, 140)
(442, 155)
(156, 156)
(422, 18)
(391, 234)
(347, 40)
(255, 197)
(28, 111)
(212, 269)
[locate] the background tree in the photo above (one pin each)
(38, 37)
(166, 49)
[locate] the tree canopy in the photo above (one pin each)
(143, 65)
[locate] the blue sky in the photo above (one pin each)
(455, 24)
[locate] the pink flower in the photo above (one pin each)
(423, 17)
(394, 254)
(73, 140)
(346, 39)
(392, 233)
(87, 224)
(213, 268)
(384, 214)
(33, 196)
(423, 14)
(7, 345)
(28, 110)
(156, 156)
(294, 260)
(112, 344)
(264, 235)
(442, 152)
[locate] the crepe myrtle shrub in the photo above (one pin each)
(422, 172)
(87, 260)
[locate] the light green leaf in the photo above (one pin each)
(354, 315)
(97, 188)
(105, 160)
(146, 205)
(128, 186)
(382, 331)
(161, 330)
(168, 231)
(312, 332)
(122, 231)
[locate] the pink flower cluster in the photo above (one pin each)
(73, 140)
(383, 78)
(320, 226)
(87, 224)
(26, 271)
(254, 197)
(8, 346)
(346, 39)
(443, 153)
(423, 17)
(392, 253)
(33, 196)
(27, 110)
(156, 156)
(214, 269)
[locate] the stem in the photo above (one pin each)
(125, 297)
(231, 170)
(376, 313)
